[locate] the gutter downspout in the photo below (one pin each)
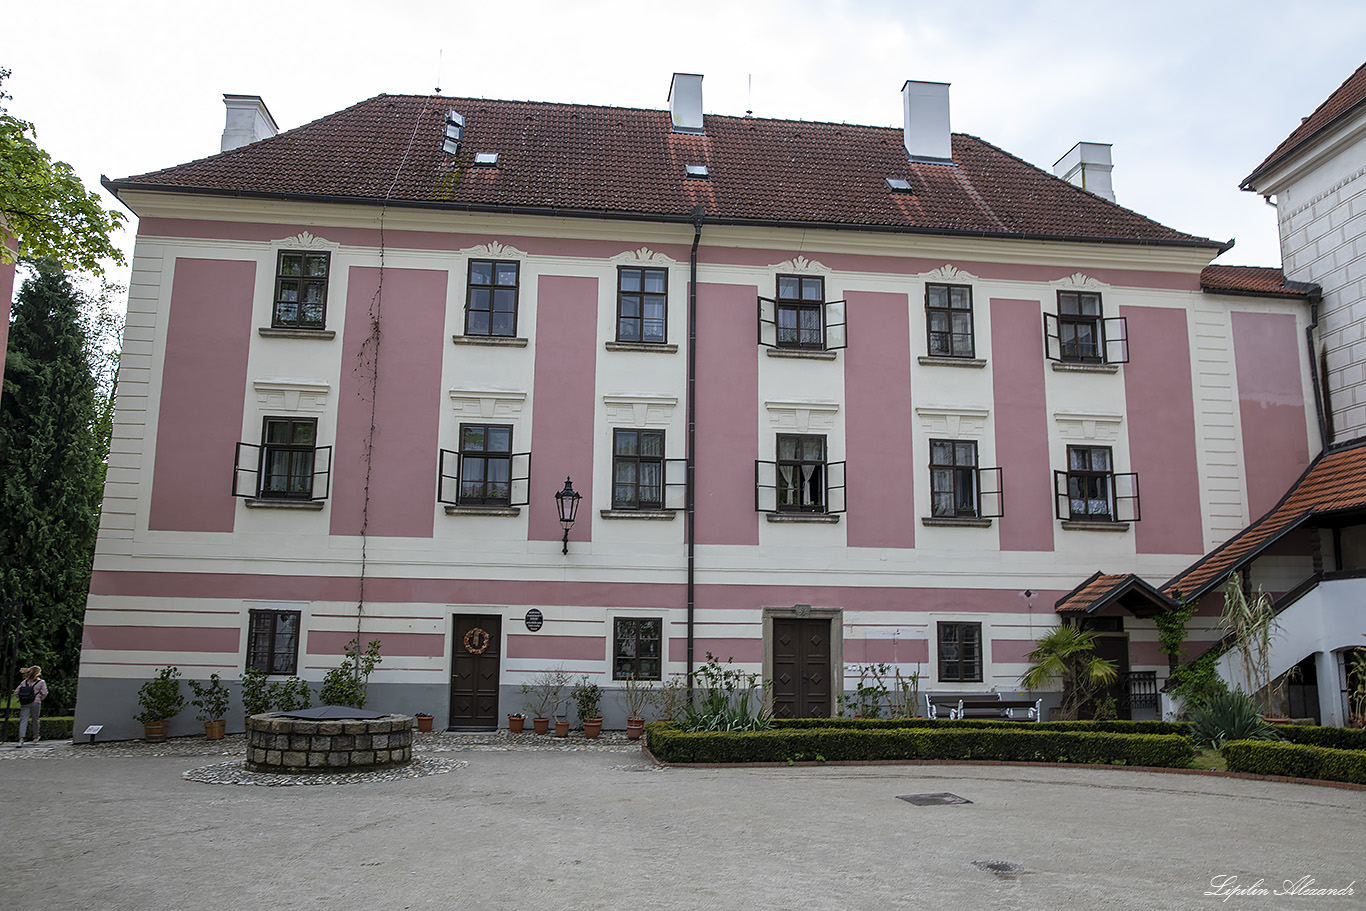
(698, 213)
(1316, 295)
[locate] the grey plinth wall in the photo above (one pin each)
(279, 744)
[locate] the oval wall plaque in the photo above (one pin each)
(534, 619)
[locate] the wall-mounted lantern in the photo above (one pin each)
(567, 502)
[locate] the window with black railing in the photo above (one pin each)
(799, 318)
(1090, 490)
(287, 465)
(484, 471)
(1080, 333)
(800, 479)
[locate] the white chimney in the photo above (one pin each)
(927, 121)
(1087, 165)
(685, 102)
(248, 121)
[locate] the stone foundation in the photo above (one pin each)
(278, 744)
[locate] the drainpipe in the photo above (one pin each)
(698, 213)
(1316, 295)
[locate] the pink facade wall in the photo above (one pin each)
(160, 638)
(564, 407)
(740, 650)
(203, 390)
(1160, 412)
(1266, 348)
(407, 404)
(878, 421)
(899, 651)
(566, 648)
(728, 406)
(605, 249)
(1020, 414)
(405, 645)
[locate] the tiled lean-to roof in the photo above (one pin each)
(1334, 482)
(1101, 590)
(585, 160)
(1260, 280)
(1348, 97)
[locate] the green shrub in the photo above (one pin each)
(1295, 760)
(1228, 716)
(848, 742)
(160, 697)
(1109, 727)
(347, 684)
(211, 700)
(58, 727)
(1313, 735)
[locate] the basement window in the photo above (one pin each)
(698, 171)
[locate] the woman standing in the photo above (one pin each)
(31, 691)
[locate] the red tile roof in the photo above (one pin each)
(1334, 482)
(622, 162)
(1251, 280)
(1125, 589)
(1350, 95)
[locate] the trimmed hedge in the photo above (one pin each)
(57, 727)
(934, 741)
(1337, 738)
(1296, 760)
(1108, 727)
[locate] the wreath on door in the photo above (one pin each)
(477, 635)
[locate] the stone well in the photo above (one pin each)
(276, 743)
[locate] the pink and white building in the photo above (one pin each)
(830, 395)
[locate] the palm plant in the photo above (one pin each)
(1067, 654)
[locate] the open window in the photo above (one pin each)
(800, 317)
(287, 465)
(1080, 333)
(959, 488)
(484, 471)
(800, 480)
(1091, 491)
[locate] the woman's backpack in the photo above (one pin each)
(27, 692)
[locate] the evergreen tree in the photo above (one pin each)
(50, 469)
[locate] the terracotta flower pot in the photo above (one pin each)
(155, 731)
(213, 730)
(424, 723)
(592, 727)
(540, 725)
(516, 723)
(561, 728)
(634, 728)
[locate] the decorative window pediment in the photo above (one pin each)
(953, 421)
(492, 249)
(1086, 425)
(802, 417)
(291, 394)
(1080, 280)
(639, 410)
(644, 256)
(949, 274)
(306, 240)
(488, 403)
(802, 266)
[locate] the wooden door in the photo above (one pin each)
(1116, 649)
(801, 668)
(475, 652)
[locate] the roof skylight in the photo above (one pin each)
(697, 170)
(486, 159)
(899, 184)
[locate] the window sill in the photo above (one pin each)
(271, 503)
(809, 354)
(1066, 367)
(954, 522)
(645, 347)
(665, 515)
(975, 363)
(483, 510)
(321, 335)
(489, 341)
(810, 518)
(1080, 525)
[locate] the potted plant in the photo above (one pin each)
(636, 694)
(291, 695)
(587, 698)
(543, 698)
(424, 722)
(160, 701)
(257, 693)
(212, 702)
(516, 720)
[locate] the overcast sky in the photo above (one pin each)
(1192, 94)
